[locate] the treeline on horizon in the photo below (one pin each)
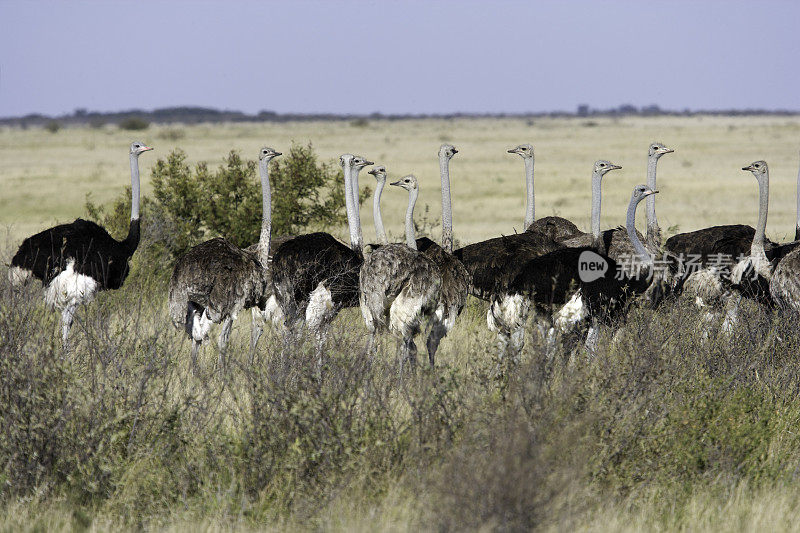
(196, 114)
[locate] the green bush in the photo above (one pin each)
(53, 126)
(134, 124)
(190, 205)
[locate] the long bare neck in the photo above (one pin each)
(530, 209)
(411, 240)
(266, 213)
(757, 248)
(597, 180)
(380, 233)
(447, 209)
(357, 207)
(797, 224)
(653, 229)
(630, 227)
(348, 202)
(131, 242)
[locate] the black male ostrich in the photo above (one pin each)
(75, 261)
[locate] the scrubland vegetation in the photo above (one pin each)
(673, 424)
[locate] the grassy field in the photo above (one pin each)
(45, 177)
(672, 426)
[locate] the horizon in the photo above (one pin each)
(409, 58)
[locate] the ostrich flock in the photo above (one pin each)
(562, 278)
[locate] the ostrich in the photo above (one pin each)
(315, 275)
(555, 228)
(509, 310)
(455, 277)
(549, 280)
(399, 285)
(214, 281)
(74, 261)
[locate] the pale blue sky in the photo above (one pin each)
(397, 56)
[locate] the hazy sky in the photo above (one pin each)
(397, 56)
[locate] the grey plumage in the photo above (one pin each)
(399, 286)
(214, 281)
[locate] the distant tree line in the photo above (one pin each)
(195, 115)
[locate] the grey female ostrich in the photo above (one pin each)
(455, 277)
(214, 281)
(400, 286)
(555, 228)
(315, 275)
(74, 261)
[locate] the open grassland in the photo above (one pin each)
(45, 176)
(671, 426)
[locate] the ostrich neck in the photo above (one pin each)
(131, 242)
(757, 248)
(630, 227)
(530, 207)
(380, 233)
(134, 187)
(797, 224)
(410, 237)
(357, 209)
(348, 201)
(653, 230)
(266, 213)
(597, 180)
(447, 210)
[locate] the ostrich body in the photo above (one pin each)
(315, 275)
(400, 286)
(552, 227)
(214, 281)
(75, 261)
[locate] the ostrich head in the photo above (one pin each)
(409, 183)
(658, 149)
(640, 192)
(758, 168)
(602, 166)
(138, 148)
(524, 150)
(356, 162)
(447, 151)
(267, 153)
(379, 172)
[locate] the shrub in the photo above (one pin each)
(53, 126)
(133, 124)
(190, 205)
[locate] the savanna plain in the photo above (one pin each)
(672, 425)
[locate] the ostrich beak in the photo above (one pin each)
(615, 167)
(749, 167)
(367, 163)
(397, 183)
(147, 148)
(512, 151)
(278, 153)
(668, 151)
